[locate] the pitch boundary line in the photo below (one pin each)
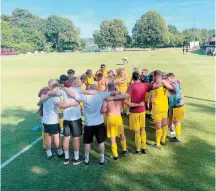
(21, 152)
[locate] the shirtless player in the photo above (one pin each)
(114, 124)
(102, 82)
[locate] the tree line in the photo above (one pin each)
(24, 32)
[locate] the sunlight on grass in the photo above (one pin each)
(39, 170)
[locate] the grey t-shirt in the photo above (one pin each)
(92, 107)
(71, 113)
(50, 111)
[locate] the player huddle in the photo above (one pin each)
(102, 99)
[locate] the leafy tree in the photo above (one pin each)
(6, 34)
(113, 33)
(150, 31)
(172, 29)
(61, 33)
(98, 39)
(128, 41)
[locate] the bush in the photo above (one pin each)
(24, 47)
(48, 47)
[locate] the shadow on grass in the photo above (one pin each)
(185, 166)
(200, 52)
(201, 99)
(203, 107)
(16, 130)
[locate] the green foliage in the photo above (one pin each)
(24, 28)
(113, 33)
(150, 31)
(61, 33)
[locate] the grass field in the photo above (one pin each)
(189, 165)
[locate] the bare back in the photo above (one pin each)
(114, 108)
(102, 85)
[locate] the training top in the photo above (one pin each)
(50, 111)
(71, 113)
(92, 107)
(137, 92)
(160, 102)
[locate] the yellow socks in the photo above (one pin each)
(114, 150)
(138, 141)
(124, 145)
(143, 138)
(178, 131)
(165, 130)
(44, 139)
(158, 136)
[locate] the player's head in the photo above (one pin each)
(74, 82)
(110, 73)
(122, 72)
(144, 72)
(55, 86)
(103, 67)
(111, 87)
(82, 80)
(51, 82)
(100, 76)
(157, 75)
(164, 75)
(117, 71)
(93, 87)
(171, 77)
(89, 73)
(135, 76)
(63, 79)
(71, 73)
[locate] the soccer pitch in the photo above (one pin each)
(189, 165)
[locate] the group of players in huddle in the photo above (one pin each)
(102, 99)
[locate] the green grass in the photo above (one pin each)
(186, 166)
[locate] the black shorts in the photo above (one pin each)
(73, 128)
(99, 131)
(51, 128)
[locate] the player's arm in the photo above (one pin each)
(167, 85)
(116, 98)
(104, 107)
(52, 93)
(66, 105)
(155, 86)
(43, 99)
(133, 104)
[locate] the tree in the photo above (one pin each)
(128, 41)
(6, 34)
(61, 33)
(113, 33)
(172, 29)
(150, 31)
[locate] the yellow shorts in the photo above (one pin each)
(115, 126)
(158, 116)
(136, 121)
(147, 96)
(178, 113)
(81, 103)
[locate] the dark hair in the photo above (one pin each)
(135, 76)
(111, 87)
(70, 71)
(88, 72)
(99, 75)
(83, 77)
(170, 75)
(103, 66)
(63, 78)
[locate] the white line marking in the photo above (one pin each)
(19, 153)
